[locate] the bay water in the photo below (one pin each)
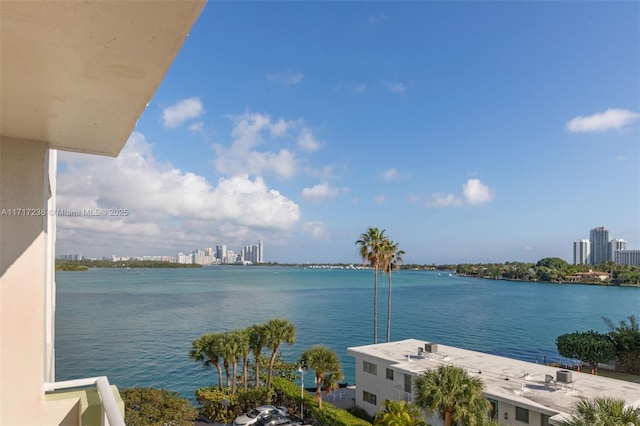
(136, 325)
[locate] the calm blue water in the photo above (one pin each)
(136, 325)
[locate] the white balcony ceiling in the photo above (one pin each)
(77, 75)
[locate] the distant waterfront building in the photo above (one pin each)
(581, 252)
(221, 253)
(614, 246)
(599, 238)
(74, 257)
(627, 257)
(260, 257)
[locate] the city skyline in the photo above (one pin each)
(457, 127)
(599, 248)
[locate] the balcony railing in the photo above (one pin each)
(398, 394)
(110, 415)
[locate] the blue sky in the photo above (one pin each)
(471, 132)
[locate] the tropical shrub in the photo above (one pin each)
(288, 394)
(212, 402)
(151, 407)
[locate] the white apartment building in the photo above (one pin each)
(582, 252)
(627, 257)
(520, 392)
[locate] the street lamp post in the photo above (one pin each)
(301, 371)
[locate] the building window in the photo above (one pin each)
(493, 414)
(545, 420)
(407, 383)
(389, 374)
(522, 415)
(369, 367)
(370, 398)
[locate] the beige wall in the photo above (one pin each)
(26, 280)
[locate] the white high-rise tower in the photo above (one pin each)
(260, 252)
(581, 252)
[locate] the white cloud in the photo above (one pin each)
(610, 119)
(167, 207)
(196, 127)
(444, 200)
(322, 191)
(389, 174)
(376, 19)
(242, 159)
(395, 87)
(289, 141)
(475, 192)
(380, 199)
(317, 229)
(307, 142)
(185, 110)
(286, 78)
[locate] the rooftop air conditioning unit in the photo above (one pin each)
(420, 351)
(563, 376)
(431, 348)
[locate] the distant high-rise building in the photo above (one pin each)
(614, 246)
(221, 253)
(581, 252)
(627, 257)
(260, 257)
(599, 238)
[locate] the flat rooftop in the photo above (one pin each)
(523, 383)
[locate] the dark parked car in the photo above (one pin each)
(275, 420)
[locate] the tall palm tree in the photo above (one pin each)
(391, 260)
(230, 352)
(206, 349)
(603, 412)
(370, 250)
(327, 368)
(278, 331)
(454, 395)
(399, 413)
(243, 354)
(257, 340)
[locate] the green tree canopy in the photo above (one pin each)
(589, 346)
(626, 340)
(604, 412)
(554, 263)
(326, 365)
(277, 331)
(207, 350)
(454, 395)
(399, 413)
